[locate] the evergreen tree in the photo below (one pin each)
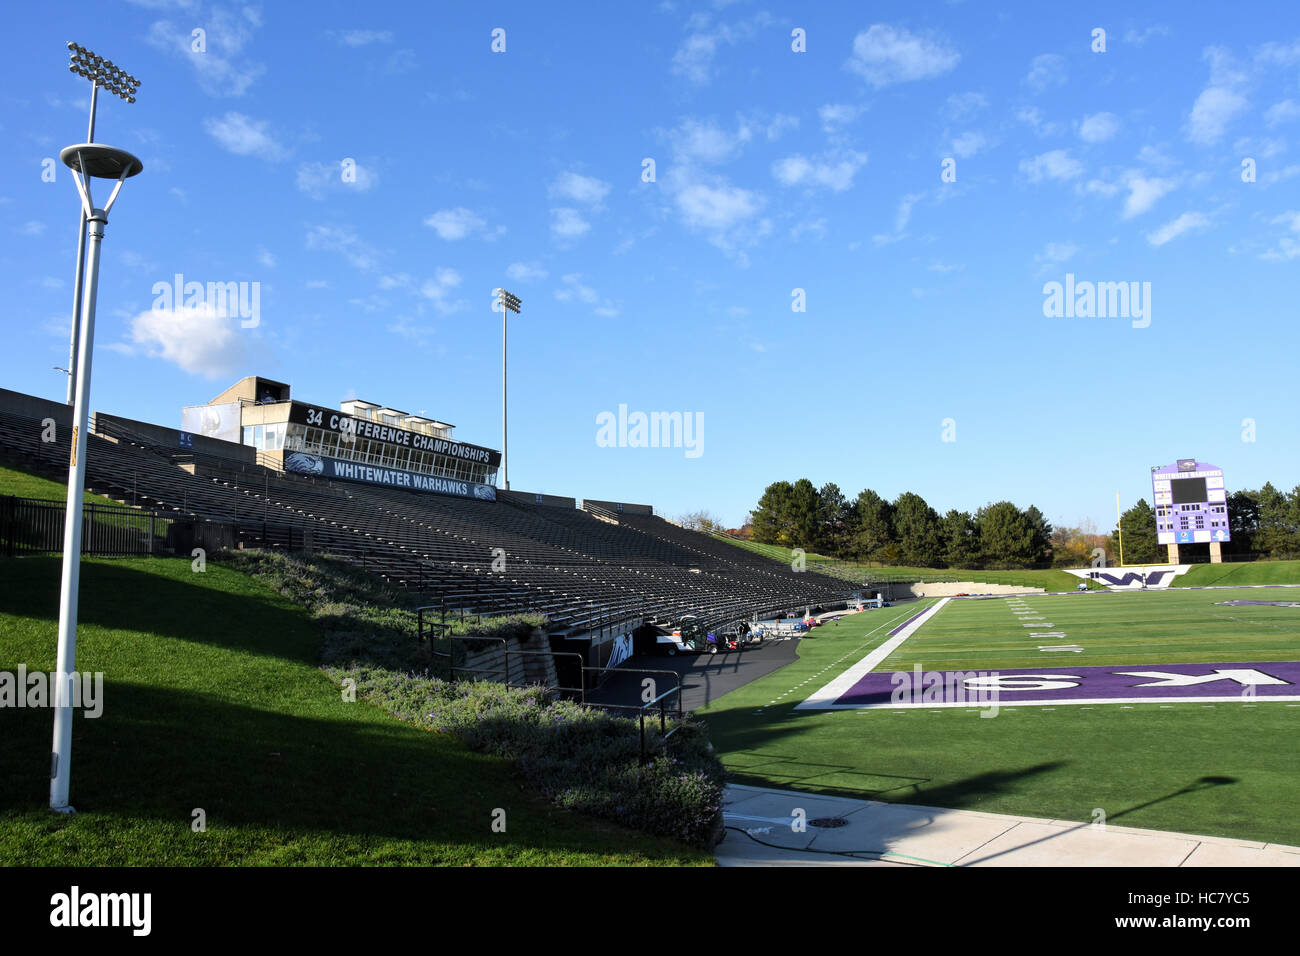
(1006, 536)
(916, 528)
(960, 540)
(874, 527)
(1140, 545)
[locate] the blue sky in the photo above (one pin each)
(775, 170)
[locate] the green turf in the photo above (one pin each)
(1143, 765)
(1127, 627)
(27, 485)
(213, 700)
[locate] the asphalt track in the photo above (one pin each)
(703, 677)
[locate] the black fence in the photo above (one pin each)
(34, 526)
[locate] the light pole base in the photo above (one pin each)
(68, 810)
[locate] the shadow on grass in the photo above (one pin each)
(121, 596)
(156, 755)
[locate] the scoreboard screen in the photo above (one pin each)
(1191, 503)
(1188, 490)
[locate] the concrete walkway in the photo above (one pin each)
(931, 836)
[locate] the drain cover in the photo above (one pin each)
(828, 823)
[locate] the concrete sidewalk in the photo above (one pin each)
(932, 836)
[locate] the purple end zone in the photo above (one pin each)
(1074, 684)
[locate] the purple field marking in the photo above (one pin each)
(907, 622)
(1107, 683)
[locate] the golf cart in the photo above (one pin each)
(691, 636)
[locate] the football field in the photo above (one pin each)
(1169, 709)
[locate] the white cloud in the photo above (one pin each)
(809, 227)
(1056, 164)
(574, 290)
(904, 213)
(836, 115)
(1154, 156)
(221, 68)
(969, 143)
(1033, 117)
(777, 126)
(356, 38)
(1286, 111)
(1098, 127)
(458, 223)
(525, 272)
(347, 243)
(716, 208)
(1220, 102)
(962, 106)
(245, 137)
(266, 258)
(316, 179)
(1214, 109)
(1046, 70)
(1287, 248)
(831, 173)
(438, 290)
(567, 223)
(1057, 252)
(707, 142)
(1272, 177)
(1143, 193)
(1138, 39)
(884, 55)
(1280, 54)
(694, 58)
(196, 338)
(32, 227)
(1171, 230)
(574, 187)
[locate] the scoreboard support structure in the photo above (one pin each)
(1191, 507)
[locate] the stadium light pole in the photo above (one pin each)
(100, 72)
(87, 161)
(507, 302)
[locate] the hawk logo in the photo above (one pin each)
(304, 464)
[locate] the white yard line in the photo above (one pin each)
(826, 697)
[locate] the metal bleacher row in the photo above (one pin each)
(583, 569)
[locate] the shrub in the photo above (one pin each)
(584, 760)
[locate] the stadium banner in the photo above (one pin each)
(333, 420)
(304, 464)
(213, 421)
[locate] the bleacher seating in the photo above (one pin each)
(584, 569)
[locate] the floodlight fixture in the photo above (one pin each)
(100, 73)
(507, 302)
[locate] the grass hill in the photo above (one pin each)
(214, 701)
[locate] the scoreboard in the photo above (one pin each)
(1191, 503)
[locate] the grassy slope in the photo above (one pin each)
(26, 485)
(213, 700)
(1247, 572)
(1140, 765)
(1048, 580)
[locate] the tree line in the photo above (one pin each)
(1263, 523)
(905, 531)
